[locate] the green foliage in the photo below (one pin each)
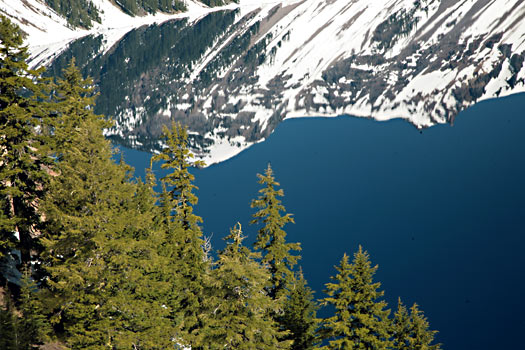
(81, 210)
(79, 13)
(230, 53)
(183, 243)
(8, 321)
(401, 327)
(212, 3)
(271, 238)
(398, 25)
(299, 315)
(22, 174)
(241, 306)
(102, 267)
(411, 330)
(177, 156)
(125, 267)
(137, 7)
(27, 327)
(182, 45)
(82, 13)
(256, 55)
(276, 252)
(360, 320)
(33, 326)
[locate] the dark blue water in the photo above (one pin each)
(442, 212)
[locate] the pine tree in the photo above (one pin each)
(24, 328)
(183, 243)
(271, 238)
(32, 327)
(276, 252)
(80, 209)
(8, 334)
(79, 13)
(22, 173)
(142, 291)
(101, 244)
(411, 330)
(360, 320)
(240, 317)
(299, 315)
(401, 327)
(177, 156)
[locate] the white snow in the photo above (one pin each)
(309, 36)
(224, 149)
(49, 33)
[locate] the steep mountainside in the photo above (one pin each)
(49, 32)
(83, 12)
(423, 61)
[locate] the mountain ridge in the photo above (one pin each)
(423, 61)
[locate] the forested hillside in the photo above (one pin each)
(92, 258)
(81, 13)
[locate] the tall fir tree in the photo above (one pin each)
(240, 317)
(102, 267)
(276, 252)
(137, 292)
(411, 331)
(299, 315)
(360, 320)
(77, 210)
(401, 327)
(271, 237)
(177, 157)
(23, 176)
(183, 243)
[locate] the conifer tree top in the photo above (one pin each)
(361, 319)
(178, 157)
(271, 237)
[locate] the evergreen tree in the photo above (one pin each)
(360, 320)
(411, 330)
(24, 328)
(103, 268)
(31, 326)
(299, 315)
(401, 327)
(177, 156)
(147, 289)
(138, 293)
(79, 13)
(271, 238)
(22, 173)
(8, 332)
(276, 252)
(241, 306)
(183, 243)
(80, 209)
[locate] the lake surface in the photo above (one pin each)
(442, 211)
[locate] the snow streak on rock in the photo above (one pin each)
(420, 60)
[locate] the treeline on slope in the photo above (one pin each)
(141, 51)
(82, 13)
(398, 25)
(105, 262)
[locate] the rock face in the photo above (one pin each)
(232, 76)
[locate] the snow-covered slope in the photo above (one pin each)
(420, 60)
(48, 34)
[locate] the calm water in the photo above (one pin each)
(442, 212)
